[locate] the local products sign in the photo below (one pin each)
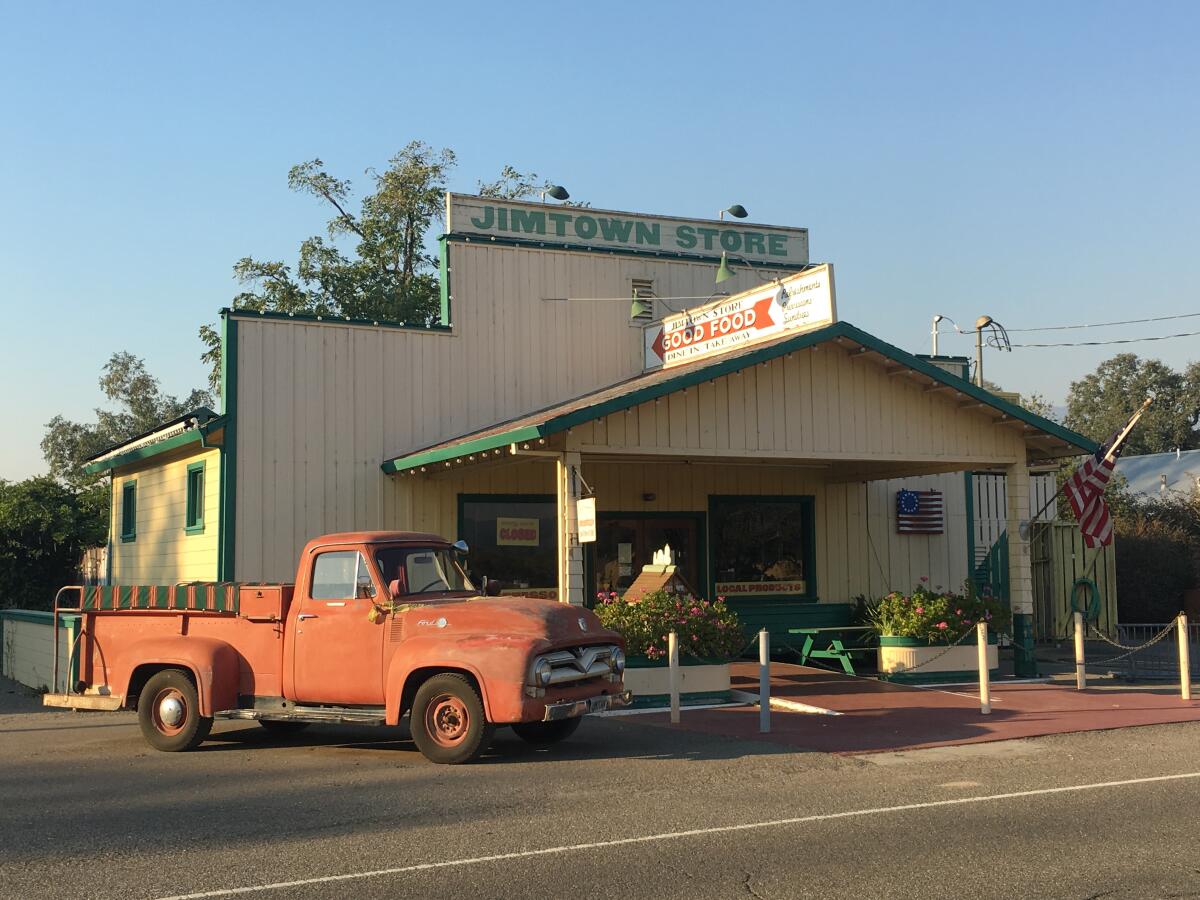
(512, 532)
(798, 303)
(759, 588)
(582, 226)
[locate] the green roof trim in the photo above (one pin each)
(191, 436)
(523, 429)
(330, 320)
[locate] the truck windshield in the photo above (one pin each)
(421, 570)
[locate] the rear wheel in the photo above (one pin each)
(447, 722)
(282, 728)
(542, 734)
(169, 712)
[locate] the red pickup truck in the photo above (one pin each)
(377, 625)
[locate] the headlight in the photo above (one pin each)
(617, 660)
(542, 672)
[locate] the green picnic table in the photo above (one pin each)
(833, 647)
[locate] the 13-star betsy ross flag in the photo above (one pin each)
(1085, 489)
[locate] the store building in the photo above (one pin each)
(761, 437)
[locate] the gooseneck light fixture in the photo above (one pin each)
(555, 192)
(737, 211)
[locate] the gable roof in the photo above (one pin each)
(191, 427)
(652, 385)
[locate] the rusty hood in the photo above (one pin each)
(558, 624)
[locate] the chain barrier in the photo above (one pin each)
(736, 655)
(1130, 650)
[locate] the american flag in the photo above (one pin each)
(1085, 489)
(919, 512)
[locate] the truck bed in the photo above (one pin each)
(118, 618)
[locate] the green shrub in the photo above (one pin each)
(937, 615)
(706, 630)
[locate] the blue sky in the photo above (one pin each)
(1036, 162)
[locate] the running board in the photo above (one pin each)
(327, 714)
(82, 701)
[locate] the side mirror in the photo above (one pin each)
(461, 547)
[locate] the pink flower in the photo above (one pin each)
(695, 637)
(942, 626)
(920, 610)
(958, 612)
(695, 610)
(613, 594)
(720, 599)
(924, 577)
(966, 621)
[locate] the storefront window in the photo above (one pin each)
(512, 541)
(762, 546)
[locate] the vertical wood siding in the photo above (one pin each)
(320, 407)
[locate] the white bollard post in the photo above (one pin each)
(1185, 658)
(985, 683)
(1080, 671)
(673, 650)
(764, 682)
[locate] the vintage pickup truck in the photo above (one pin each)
(377, 625)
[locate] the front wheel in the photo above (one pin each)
(169, 712)
(543, 734)
(448, 723)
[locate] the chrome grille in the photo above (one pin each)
(576, 664)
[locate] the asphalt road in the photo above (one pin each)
(636, 810)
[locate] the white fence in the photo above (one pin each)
(27, 647)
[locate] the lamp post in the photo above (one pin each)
(556, 192)
(737, 211)
(981, 323)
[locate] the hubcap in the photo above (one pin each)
(170, 711)
(447, 720)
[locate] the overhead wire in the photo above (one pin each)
(1108, 324)
(1161, 337)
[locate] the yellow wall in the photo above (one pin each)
(857, 548)
(162, 552)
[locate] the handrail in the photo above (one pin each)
(54, 627)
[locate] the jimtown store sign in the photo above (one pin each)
(600, 229)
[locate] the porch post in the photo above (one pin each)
(1020, 572)
(570, 551)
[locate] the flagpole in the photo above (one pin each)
(1124, 433)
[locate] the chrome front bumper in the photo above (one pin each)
(570, 709)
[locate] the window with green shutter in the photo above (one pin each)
(129, 511)
(194, 521)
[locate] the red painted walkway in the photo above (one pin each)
(879, 716)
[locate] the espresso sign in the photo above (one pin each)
(799, 303)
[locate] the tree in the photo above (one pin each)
(1100, 403)
(141, 406)
(390, 275)
(44, 528)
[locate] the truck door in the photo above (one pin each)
(339, 652)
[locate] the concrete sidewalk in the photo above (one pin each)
(878, 716)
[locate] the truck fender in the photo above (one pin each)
(214, 665)
(401, 670)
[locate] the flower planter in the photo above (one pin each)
(900, 657)
(700, 682)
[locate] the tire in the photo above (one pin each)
(543, 734)
(448, 724)
(280, 728)
(157, 716)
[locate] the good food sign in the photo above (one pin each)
(798, 303)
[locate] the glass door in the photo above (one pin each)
(625, 542)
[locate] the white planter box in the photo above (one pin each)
(961, 662)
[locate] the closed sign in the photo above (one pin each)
(517, 532)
